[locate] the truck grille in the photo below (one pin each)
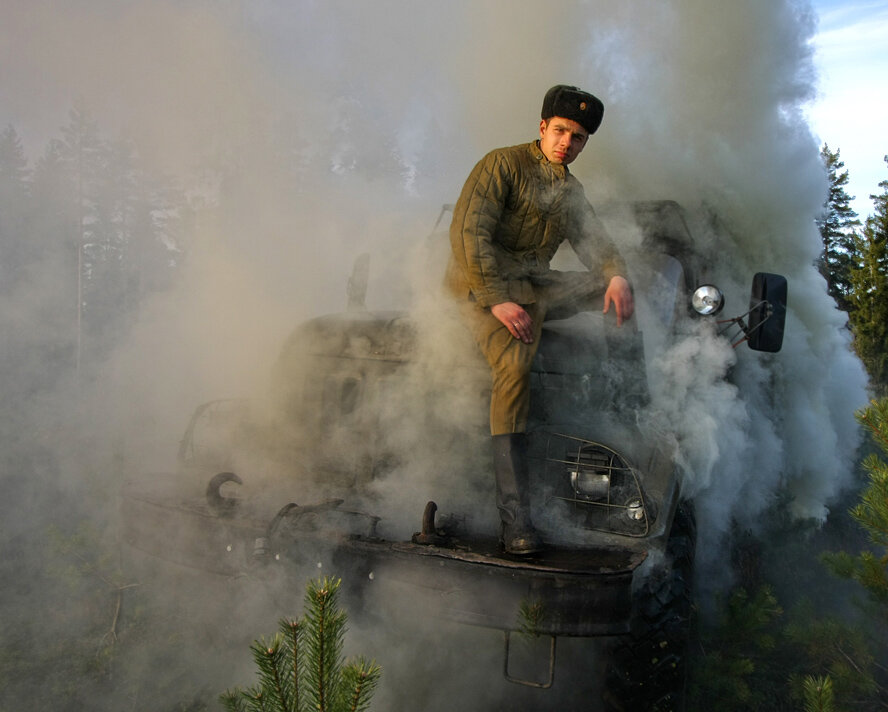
(603, 489)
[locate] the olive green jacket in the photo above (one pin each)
(514, 211)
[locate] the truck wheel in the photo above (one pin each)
(646, 667)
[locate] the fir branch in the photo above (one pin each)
(269, 657)
(325, 627)
(819, 696)
(307, 655)
(322, 647)
(291, 629)
(278, 682)
(233, 700)
(531, 617)
(259, 700)
(359, 682)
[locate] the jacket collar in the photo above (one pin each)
(535, 150)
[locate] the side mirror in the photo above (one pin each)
(767, 312)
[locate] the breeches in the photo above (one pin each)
(559, 294)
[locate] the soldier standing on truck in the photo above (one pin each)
(517, 206)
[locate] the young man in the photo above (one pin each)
(517, 206)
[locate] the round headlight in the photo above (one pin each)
(707, 300)
(587, 483)
(635, 510)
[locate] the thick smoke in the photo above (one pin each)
(312, 132)
(732, 138)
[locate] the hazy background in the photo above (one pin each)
(306, 133)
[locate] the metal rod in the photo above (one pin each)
(530, 683)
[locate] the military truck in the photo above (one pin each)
(293, 484)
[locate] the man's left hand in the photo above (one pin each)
(620, 294)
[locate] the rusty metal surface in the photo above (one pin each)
(487, 552)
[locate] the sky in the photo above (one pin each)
(851, 111)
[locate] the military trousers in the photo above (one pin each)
(558, 295)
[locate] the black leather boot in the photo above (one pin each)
(518, 535)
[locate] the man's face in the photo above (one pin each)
(562, 140)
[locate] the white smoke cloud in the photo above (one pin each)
(710, 115)
(345, 124)
(341, 127)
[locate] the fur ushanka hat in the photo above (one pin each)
(574, 104)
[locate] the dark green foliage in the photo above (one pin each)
(869, 299)
(819, 694)
(733, 656)
(837, 226)
(756, 657)
(870, 567)
(831, 648)
(301, 668)
(824, 652)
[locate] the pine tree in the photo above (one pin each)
(124, 226)
(819, 696)
(837, 225)
(14, 195)
(738, 653)
(301, 667)
(83, 153)
(49, 349)
(870, 568)
(868, 312)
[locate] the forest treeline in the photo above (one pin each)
(854, 264)
(86, 235)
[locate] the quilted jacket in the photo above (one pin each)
(514, 211)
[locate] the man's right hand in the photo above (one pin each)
(515, 319)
